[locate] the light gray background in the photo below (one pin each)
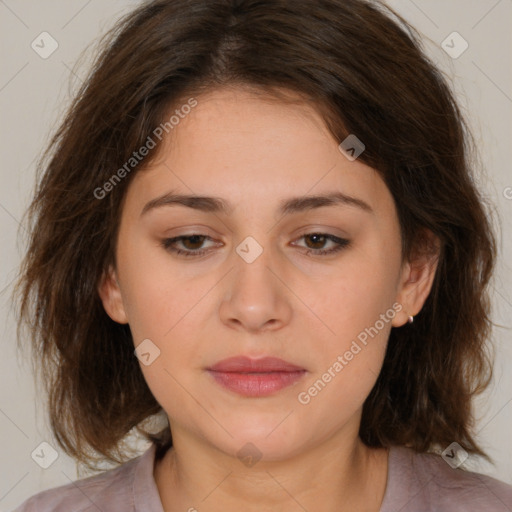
(34, 93)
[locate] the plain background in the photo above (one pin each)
(33, 94)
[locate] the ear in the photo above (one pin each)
(417, 277)
(111, 297)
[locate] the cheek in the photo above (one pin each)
(154, 296)
(358, 307)
(355, 295)
(350, 360)
(354, 348)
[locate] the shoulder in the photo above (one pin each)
(426, 482)
(109, 491)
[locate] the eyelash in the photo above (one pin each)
(342, 243)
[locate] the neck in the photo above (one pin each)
(336, 476)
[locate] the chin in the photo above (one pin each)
(268, 440)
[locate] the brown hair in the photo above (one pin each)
(363, 67)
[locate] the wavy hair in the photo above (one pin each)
(363, 67)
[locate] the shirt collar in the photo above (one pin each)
(144, 490)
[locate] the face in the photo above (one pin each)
(263, 272)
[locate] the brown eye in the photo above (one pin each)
(318, 241)
(191, 243)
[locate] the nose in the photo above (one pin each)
(257, 298)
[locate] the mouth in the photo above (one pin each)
(255, 377)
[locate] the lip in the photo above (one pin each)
(243, 364)
(255, 377)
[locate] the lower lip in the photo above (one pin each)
(256, 384)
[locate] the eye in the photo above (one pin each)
(319, 239)
(193, 244)
(189, 241)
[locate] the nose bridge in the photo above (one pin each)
(256, 297)
(253, 277)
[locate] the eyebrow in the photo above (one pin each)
(286, 207)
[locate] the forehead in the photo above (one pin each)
(239, 145)
(250, 132)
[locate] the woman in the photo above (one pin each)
(259, 221)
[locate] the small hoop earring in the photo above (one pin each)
(410, 319)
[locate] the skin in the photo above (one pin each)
(304, 308)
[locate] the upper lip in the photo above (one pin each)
(242, 364)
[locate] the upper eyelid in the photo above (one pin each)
(328, 235)
(314, 232)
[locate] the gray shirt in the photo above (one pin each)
(416, 483)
